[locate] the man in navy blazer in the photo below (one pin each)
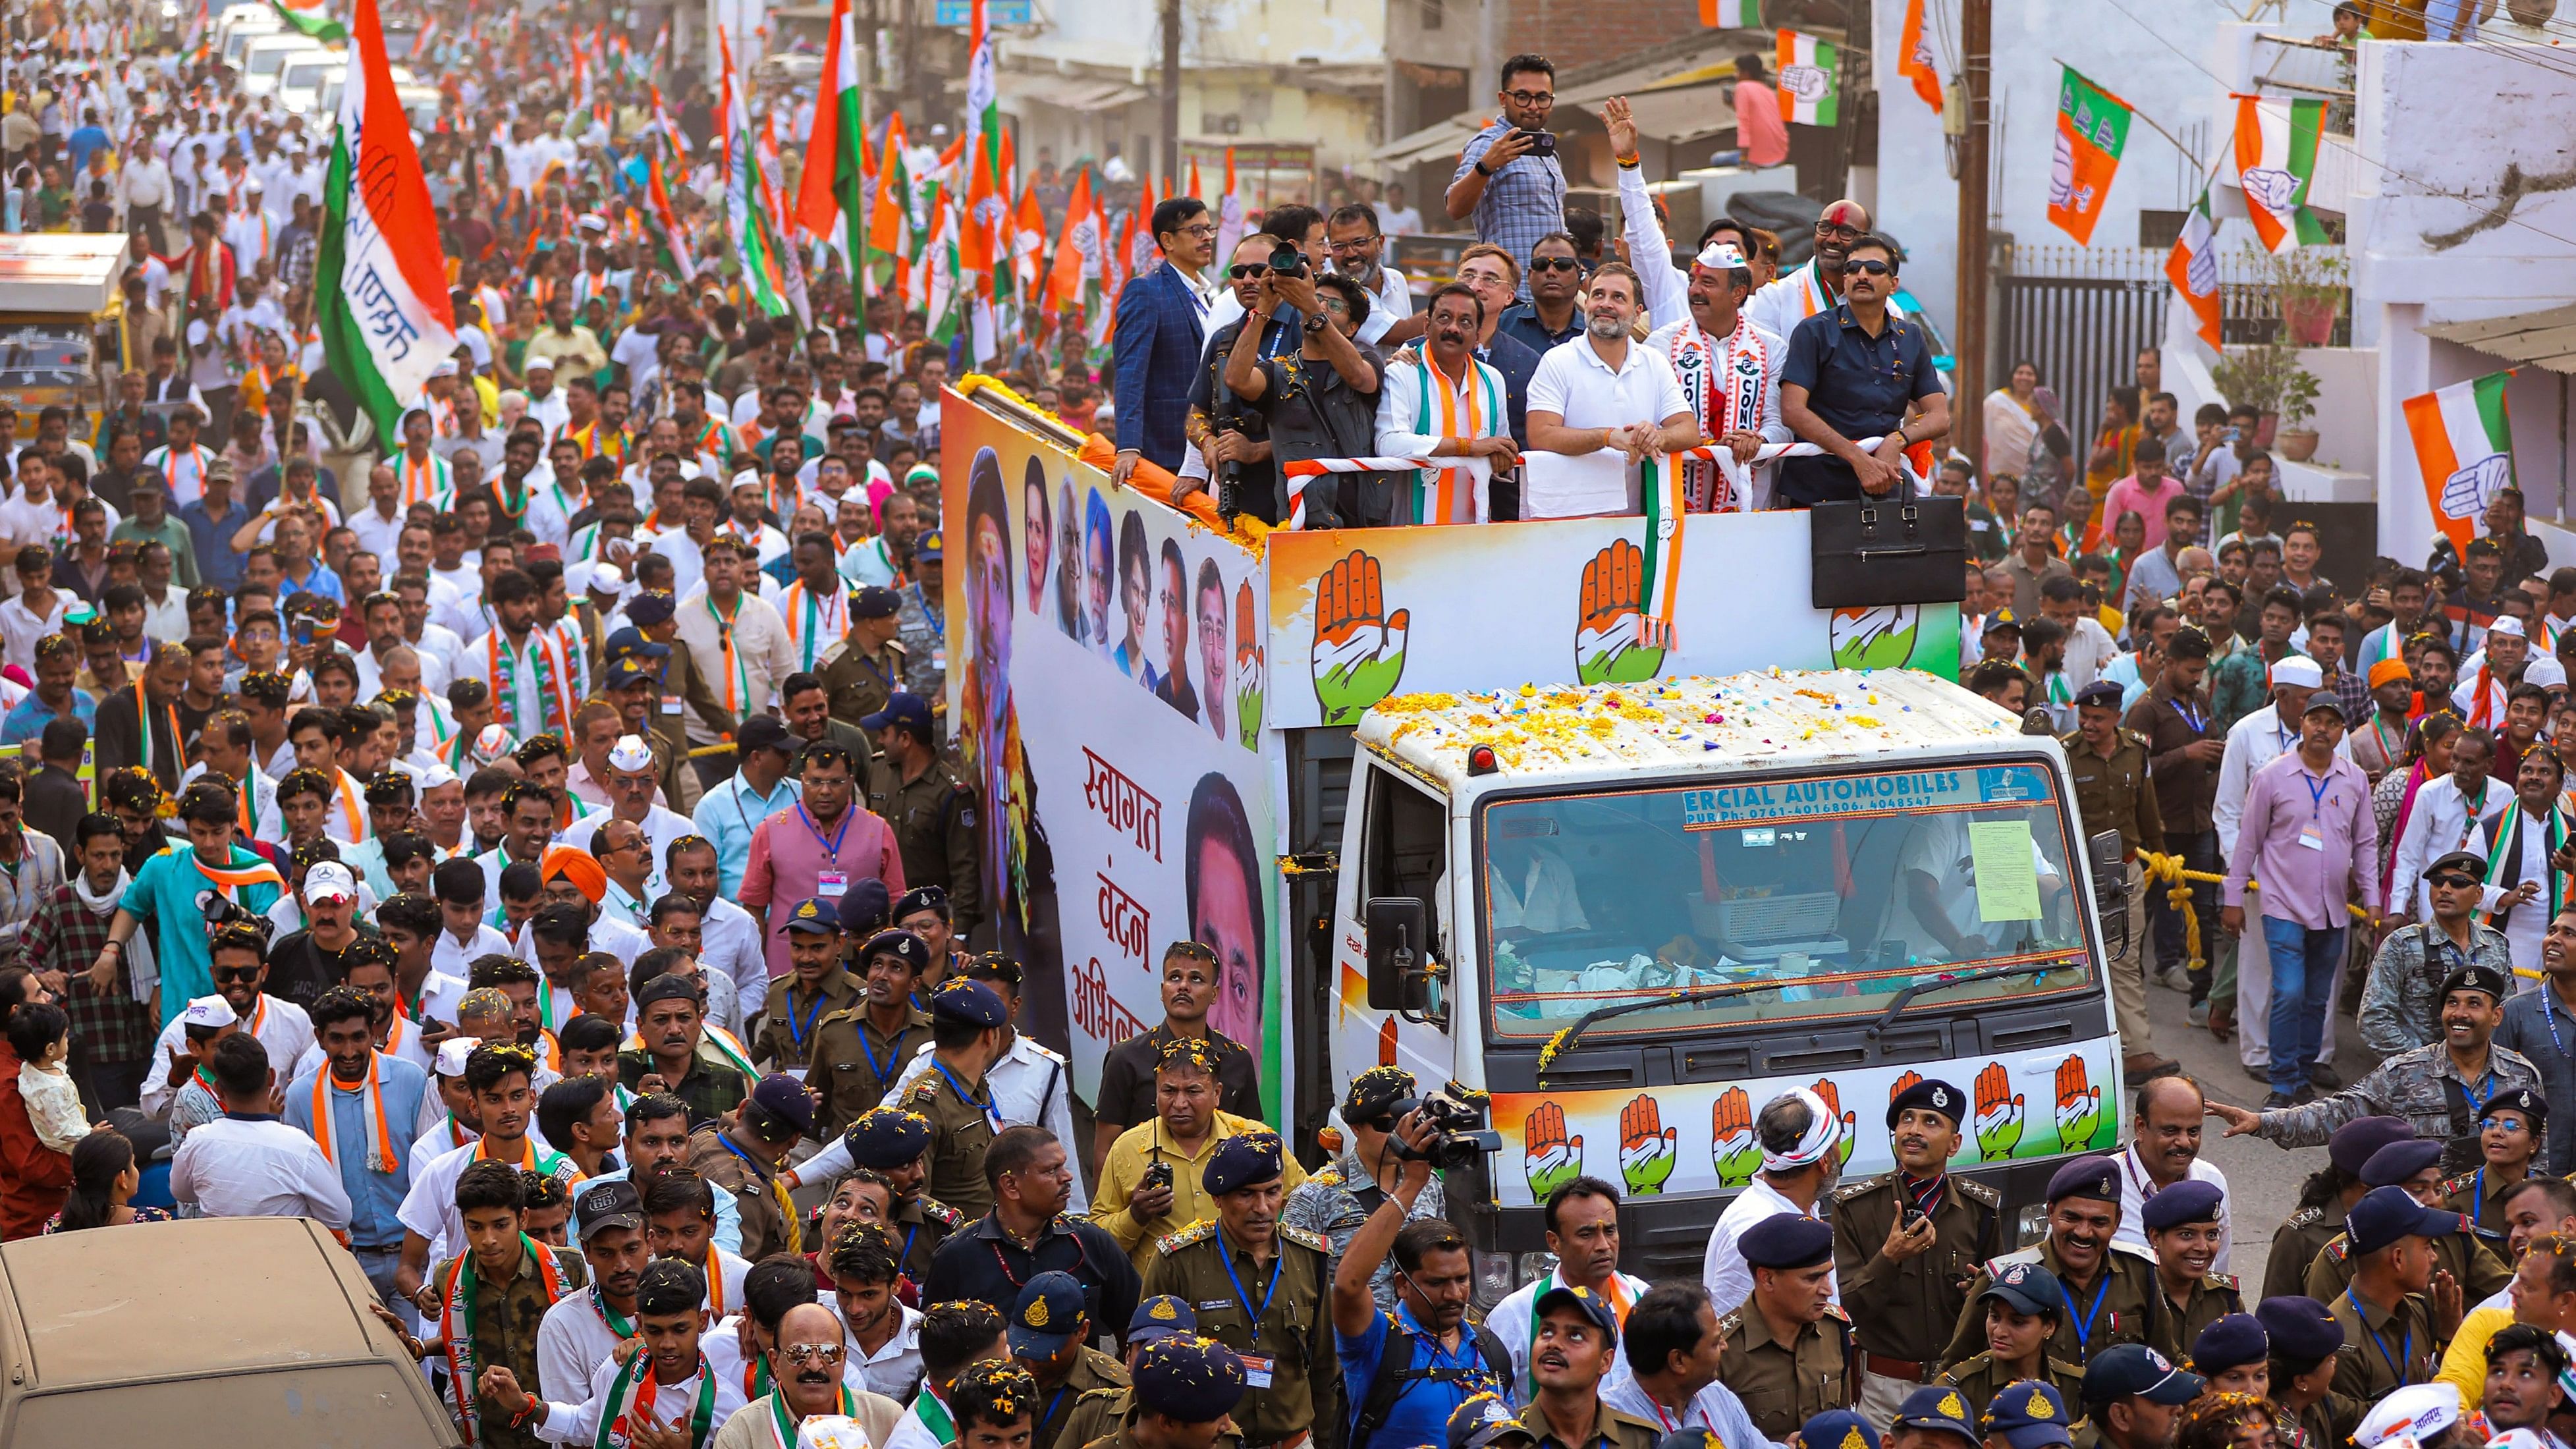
(1162, 330)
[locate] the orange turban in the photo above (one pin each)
(578, 866)
(2386, 670)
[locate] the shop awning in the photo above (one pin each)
(2543, 339)
(1070, 92)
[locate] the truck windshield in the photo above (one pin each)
(1840, 889)
(44, 356)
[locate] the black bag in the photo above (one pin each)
(1396, 1374)
(1889, 551)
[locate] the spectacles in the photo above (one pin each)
(1868, 268)
(1203, 229)
(1837, 229)
(2450, 881)
(1555, 264)
(1245, 271)
(808, 1352)
(1336, 304)
(1530, 98)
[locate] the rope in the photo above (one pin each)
(2157, 868)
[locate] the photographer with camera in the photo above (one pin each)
(1151, 1180)
(1406, 1371)
(1318, 400)
(1508, 177)
(1337, 1200)
(1227, 438)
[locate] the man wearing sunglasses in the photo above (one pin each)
(1794, 297)
(1853, 373)
(1320, 400)
(1513, 188)
(2401, 1008)
(1245, 441)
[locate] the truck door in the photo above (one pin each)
(1395, 842)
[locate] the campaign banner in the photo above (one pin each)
(1108, 709)
(1699, 1137)
(1374, 611)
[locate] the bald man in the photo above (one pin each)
(2165, 1149)
(1818, 286)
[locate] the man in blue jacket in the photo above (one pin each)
(1162, 330)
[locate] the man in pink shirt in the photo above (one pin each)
(2144, 492)
(818, 847)
(1760, 132)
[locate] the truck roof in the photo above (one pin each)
(44, 272)
(1771, 719)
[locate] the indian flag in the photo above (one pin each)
(307, 17)
(1229, 214)
(671, 249)
(2193, 268)
(2464, 450)
(380, 284)
(831, 195)
(1731, 14)
(1809, 79)
(2276, 159)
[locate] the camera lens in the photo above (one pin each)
(1287, 261)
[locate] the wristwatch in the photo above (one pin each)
(1480, 167)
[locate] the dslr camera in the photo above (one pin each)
(1461, 1139)
(221, 910)
(1287, 261)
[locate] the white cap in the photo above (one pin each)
(436, 775)
(592, 221)
(452, 1054)
(2545, 671)
(2299, 671)
(2411, 1415)
(446, 368)
(2507, 625)
(605, 579)
(533, 363)
(491, 744)
(630, 755)
(209, 1011)
(1720, 256)
(329, 880)
(831, 1431)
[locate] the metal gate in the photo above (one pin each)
(2084, 334)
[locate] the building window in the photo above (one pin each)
(1433, 13)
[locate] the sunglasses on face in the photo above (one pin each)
(236, 973)
(1245, 271)
(809, 1352)
(2451, 882)
(1868, 267)
(1554, 264)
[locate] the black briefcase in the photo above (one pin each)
(1889, 551)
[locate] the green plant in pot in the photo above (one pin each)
(2267, 377)
(2309, 284)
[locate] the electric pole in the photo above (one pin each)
(1967, 374)
(1171, 97)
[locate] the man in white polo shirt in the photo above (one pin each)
(1597, 406)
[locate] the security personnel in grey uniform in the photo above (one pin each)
(1906, 1243)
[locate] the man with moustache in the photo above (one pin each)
(2112, 1287)
(809, 1383)
(2164, 1151)
(1472, 391)
(1906, 1241)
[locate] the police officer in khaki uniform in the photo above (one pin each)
(1190, 1382)
(2387, 1320)
(745, 1154)
(2020, 1310)
(1788, 1349)
(2522, 1116)
(860, 1051)
(2305, 1233)
(2414, 1164)
(933, 816)
(1906, 1243)
(1262, 1290)
(1050, 1337)
(2113, 791)
(1100, 1411)
(866, 668)
(1574, 1340)
(2111, 1288)
(2028, 1414)
(2131, 1393)
(966, 1022)
(634, 685)
(895, 1144)
(791, 1019)
(2182, 1226)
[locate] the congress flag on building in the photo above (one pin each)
(2092, 130)
(1809, 78)
(380, 282)
(2276, 159)
(2193, 267)
(2464, 448)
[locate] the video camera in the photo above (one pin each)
(1458, 1115)
(221, 910)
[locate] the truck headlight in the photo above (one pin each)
(1493, 1279)
(1535, 1266)
(2030, 1225)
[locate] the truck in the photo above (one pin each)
(61, 332)
(1602, 825)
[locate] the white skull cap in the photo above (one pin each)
(210, 1011)
(630, 755)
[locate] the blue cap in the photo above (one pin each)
(626, 669)
(2028, 1414)
(1242, 1160)
(1584, 1301)
(785, 1097)
(652, 606)
(1189, 1379)
(2029, 1287)
(2526, 1100)
(2133, 1370)
(931, 546)
(2230, 1342)
(875, 601)
(922, 897)
(1931, 1094)
(1939, 1408)
(863, 905)
(630, 643)
(904, 946)
(1047, 1315)
(2301, 1329)
(901, 709)
(2352, 1143)
(959, 999)
(2478, 976)
(2095, 1178)
(2386, 1215)
(1786, 1240)
(2391, 1165)
(813, 917)
(884, 1137)
(1160, 1317)
(2188, 1201)
(2100, 694)
(1483, 1419)
(1837, 1429)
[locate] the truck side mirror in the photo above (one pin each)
(1399, 938)
(2110, 890)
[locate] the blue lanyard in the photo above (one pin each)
(2198, 721)
(894, 1051)
(991, 1116)
(2549, 1016)
(2394, 1367)
(2480, 1100)
(1276, 1263)
(2084, 1324)
(797, 1030)
(832, 847)
(2316, 792)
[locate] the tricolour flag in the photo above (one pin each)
(2464, 450)
(2193, 266)
(743, 194)
(307, 17)
(890, 212)
(1731, 14)
(1914, 57)
(2276, 159)
(1077, 251)
(1229, 215)
(663, 225)
(983, 91)
(380, 283)
(1808, 75)
(831, 200)
(2092, 129)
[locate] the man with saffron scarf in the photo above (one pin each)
(490, 1300)
(1448, 405)
(166, 891)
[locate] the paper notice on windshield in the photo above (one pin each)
(2007, 870)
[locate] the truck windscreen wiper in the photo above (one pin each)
(1906, 997)
(1563, 1040)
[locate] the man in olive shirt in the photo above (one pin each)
(2414, 1164)
(2388, 1334)
(2112, 1287)
(814, 987)
(744, 1155)
(860, 1051)
(1905, 1244)
(1787, 1347)
(895, 1145)
(2184, 746)
(2305, 1233)
(966, 1021)
(1285, 1336)
(1190, 977)
(933, 816)
(867, 669)
(1050, 1337)
(676, 1057)
(1572, 1348)
(1186, 1387)
(2114, 792)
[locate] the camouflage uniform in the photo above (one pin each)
(921, 628)
(2422, 1086)
(1328, 1207)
